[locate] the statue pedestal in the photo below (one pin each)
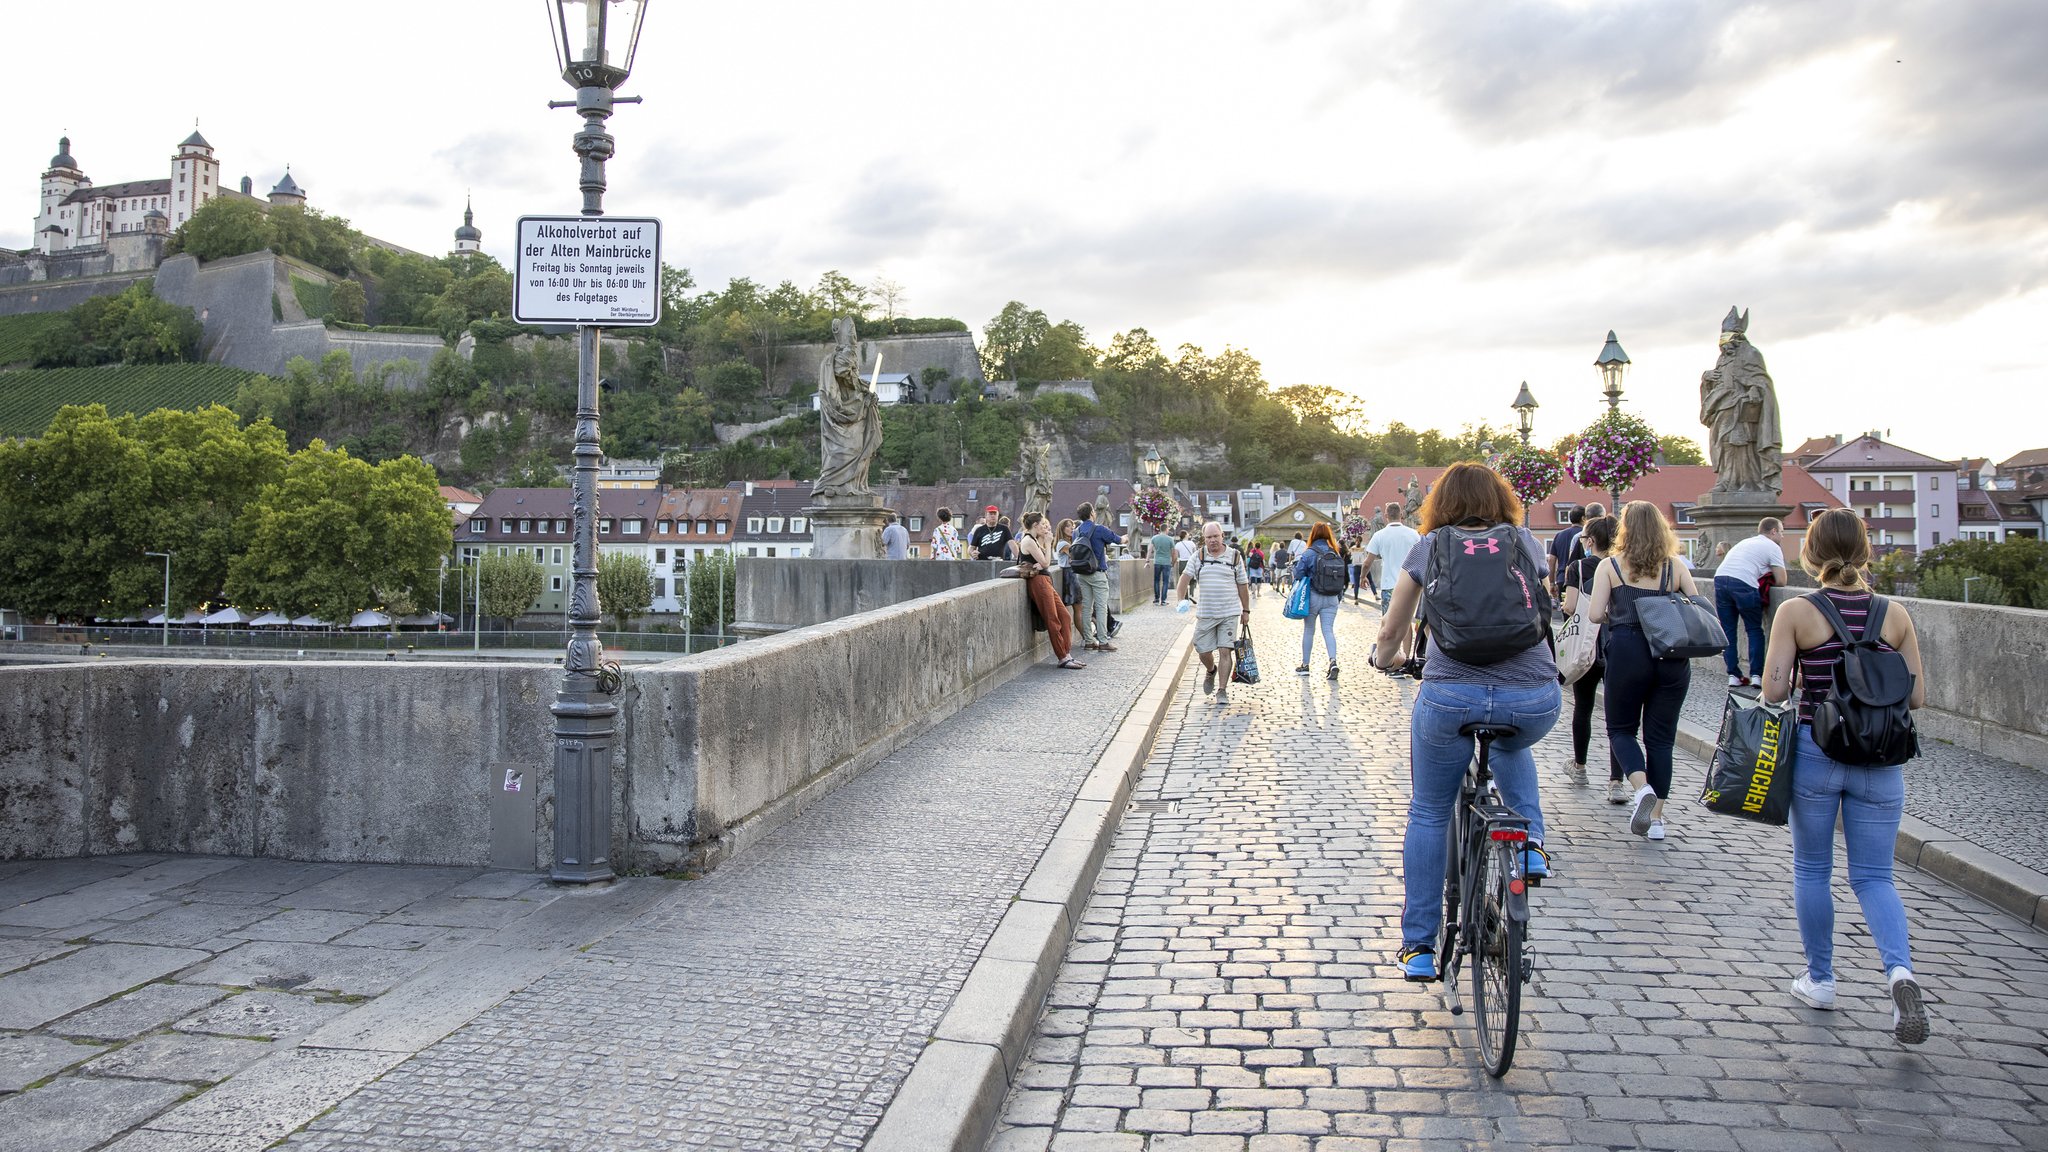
(1726, 517)
(848, 529)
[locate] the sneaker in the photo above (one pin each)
(1209, 680)
(1617, 792)
(1115, 626)
(1222, 696)
(1418, 965)
(1646, 804)
(1576, 773)
(1301, 671)
(1814, 993)
(1333, 669)
(1536, 864)
(1909, 1012)
(1734, 681)
(1656, 831)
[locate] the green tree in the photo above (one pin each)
(1680, 450)
(625, 586)
(132, 327)
(335, 535)
(1948, 583)
(711, 587)
(2019, 564)
(1008, 340)
(486, 292)
(407, 285)
(308, 234)
(348, 302)
(837, 295)
(511, 585)
(224, 226)
(66, 500)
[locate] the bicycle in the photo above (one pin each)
(1486, 900)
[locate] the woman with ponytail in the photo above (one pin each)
(1643, 693)
(1867, 802)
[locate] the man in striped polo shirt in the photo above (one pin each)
(1223, 600)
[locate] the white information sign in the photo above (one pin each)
(603, 270)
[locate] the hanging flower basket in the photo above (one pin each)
(1155, 507)
(1354, 530)
(1533, 473)
(1613, 452)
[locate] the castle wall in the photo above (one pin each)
(232, 298)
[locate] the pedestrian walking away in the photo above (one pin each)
(1866, 800)
(1086, 556)
(1389, 546)
(1469, 501)
(1560, 551)
(1035, 556)
(1326, 572)
(1644, 694)
(1184, 550)
(1217, 582)
(1255, 567)
(895, 540)
(1577, 579)
(1742, 582)
(946, 539)
(1162, 566)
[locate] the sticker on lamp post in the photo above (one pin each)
(602, 270)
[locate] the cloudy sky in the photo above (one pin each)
(1422, 203)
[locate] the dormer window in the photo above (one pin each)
(604, 527)
(479, 524)
(775, 524)
(705, 526)
(525, 526)
(796, 524)
(724, 526)
(753, 525)
(633, 526)
(505, 526)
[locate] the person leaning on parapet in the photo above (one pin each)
(895, 539)
(1221, 590)
(1739, 591)
(990, 537)
(1390, 547)
(946, 539)
(1037, 562)
(1095, 626)
(1162, 565)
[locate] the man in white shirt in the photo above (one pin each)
(1739, 590)
(1390, 547)
(1183, 551)
(1223, 605)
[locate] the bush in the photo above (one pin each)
(1947, 584)
(2020, 564)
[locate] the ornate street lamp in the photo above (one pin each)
(1525, 411)
(1152, 465)
(594, 45)
(1613, 365)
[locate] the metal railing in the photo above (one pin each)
(194, 637)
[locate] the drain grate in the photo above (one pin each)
(1167, 806)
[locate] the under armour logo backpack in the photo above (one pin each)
(1483, 594)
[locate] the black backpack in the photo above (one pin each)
(1866, 716)
(1484, 594)
(1329, 575)
(1081, 556)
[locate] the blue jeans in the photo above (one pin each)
(1323, 608)
(1869, 802)
(1162, 582)
(1386, 595)
(1734, 598)
(1437, 757)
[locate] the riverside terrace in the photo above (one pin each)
(1164, 926)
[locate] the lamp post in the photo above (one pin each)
(167, 593)
(1525, 411)
(594, 45)
(1152, 466)
(1612, 364)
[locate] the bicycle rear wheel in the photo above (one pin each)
(1497, 961)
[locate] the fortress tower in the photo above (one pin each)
(195, 177)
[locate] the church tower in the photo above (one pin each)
(195, 178)
(467, 239)
(53, 232)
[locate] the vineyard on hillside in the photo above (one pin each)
(29, 399)
(18, 334)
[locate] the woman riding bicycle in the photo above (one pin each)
(1520, 691)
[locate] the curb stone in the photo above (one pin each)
(1999, 882)
(955, 1091)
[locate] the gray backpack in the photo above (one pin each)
(1483, 594)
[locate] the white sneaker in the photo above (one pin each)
(1656, 831)
(1734, 681)
(1617, 792)
(1814, 993)
(1909, 1011)
(1646, 803)
(1576, 773)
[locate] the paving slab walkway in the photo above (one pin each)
(1231, 987)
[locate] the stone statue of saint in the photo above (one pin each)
(1739, 406)
(1379, 521)
(1038, 477)
(1412, 499)
(850, 416)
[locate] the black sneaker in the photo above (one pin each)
(1115, 626)
(1333, 669)
(1302, 670)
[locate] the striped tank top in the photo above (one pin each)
(1817, 664)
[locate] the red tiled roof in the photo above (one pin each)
(1671, 485)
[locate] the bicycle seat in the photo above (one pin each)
(1486, 731)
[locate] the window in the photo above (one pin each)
(181, 194)
(1934, 483)
(1564, 512)
(771, 550)
(525, 526)
(479, 524)
(724, 526)
(604, 527)
(663, 530)
(1682, 512)
(750, 550)
(554, 583)
(558, 556)
(1828, 482)
(633, 526)
(542, 527)
(774, 525)
(917, 523)
(561, 526)
(1937, 537)
(505, 526)
(660, 587)
(1934, 511)
(914, 553)
(796, 524)
(705, 526)
(753, 525)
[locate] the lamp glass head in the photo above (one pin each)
(595, 40)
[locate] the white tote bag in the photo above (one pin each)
(1578, 647)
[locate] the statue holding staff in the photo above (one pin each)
(1739, 406)
(850, 418)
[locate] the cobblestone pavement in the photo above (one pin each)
(1231, 987)
(778, 1002)
(1993, 803)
